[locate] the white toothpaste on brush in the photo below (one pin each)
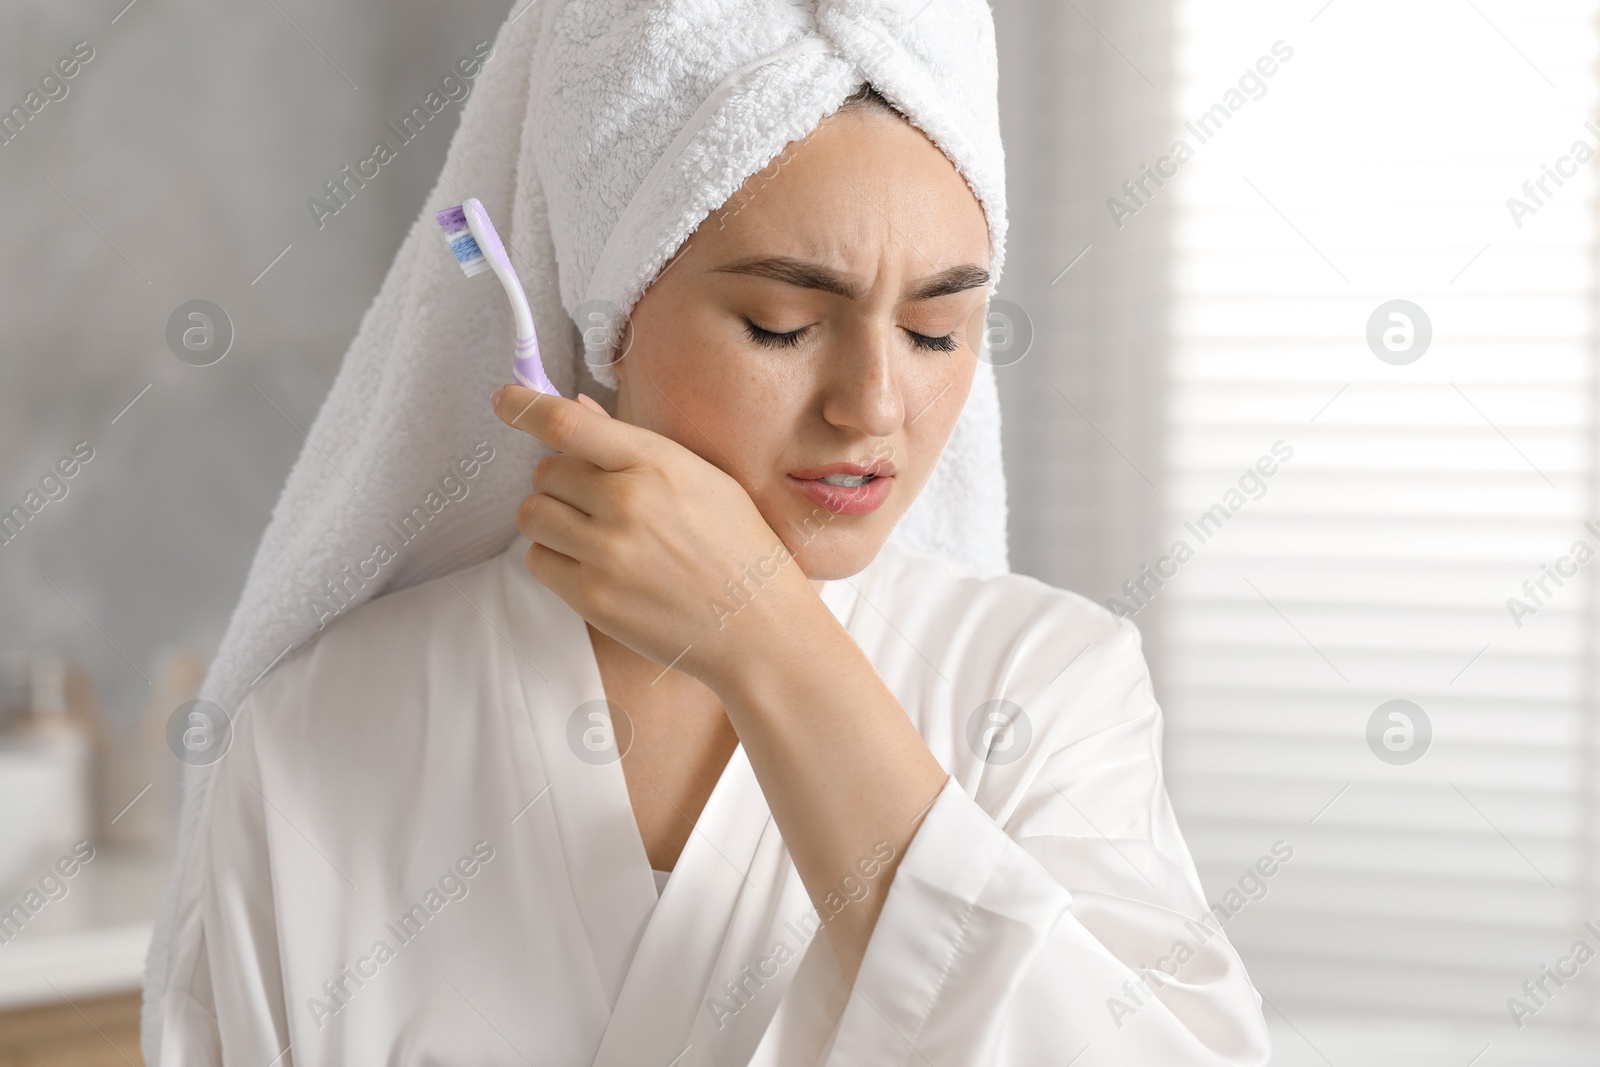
(471, 237)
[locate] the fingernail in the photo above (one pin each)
(494, 397)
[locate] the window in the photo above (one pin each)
(1408, 502)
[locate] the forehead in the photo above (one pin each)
(863, 182)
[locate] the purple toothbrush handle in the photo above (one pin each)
(528, 368)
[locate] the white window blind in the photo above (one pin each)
(1375, 564)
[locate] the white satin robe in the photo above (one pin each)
(426, 735)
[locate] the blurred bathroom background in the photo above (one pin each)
(1174, 325)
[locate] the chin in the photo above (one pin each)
(833, 554)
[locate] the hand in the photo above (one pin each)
(638, 534)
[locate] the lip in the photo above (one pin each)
(846, 499)
(883, 470)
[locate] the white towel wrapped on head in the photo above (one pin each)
(600, 135)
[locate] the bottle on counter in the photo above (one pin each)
(53, 731)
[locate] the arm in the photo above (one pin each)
(1010, 946)
(1079, 926)
(846, 774)
(1077, 929)
(638, 535)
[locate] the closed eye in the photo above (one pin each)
(774, 340)
(771, 339)
(947, 343)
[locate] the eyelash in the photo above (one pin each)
(947, 343)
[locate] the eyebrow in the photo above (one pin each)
(816, 276)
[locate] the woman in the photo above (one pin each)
(432, 836)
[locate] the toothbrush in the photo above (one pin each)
(471, 237)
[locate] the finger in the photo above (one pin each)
(554, 571)
(545, 520)
(571, 480)
(570, 427)
(590, 402)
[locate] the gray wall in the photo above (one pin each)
(177, 167)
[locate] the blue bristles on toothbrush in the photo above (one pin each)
(453, 221)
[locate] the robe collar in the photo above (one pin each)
(659, 959)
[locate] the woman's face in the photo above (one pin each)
(828, 314)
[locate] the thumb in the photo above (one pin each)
(590, 402)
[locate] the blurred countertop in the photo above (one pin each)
(92, 941)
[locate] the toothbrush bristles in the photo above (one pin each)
(468, 254)
(453, 226)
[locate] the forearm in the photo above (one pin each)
(842, 767)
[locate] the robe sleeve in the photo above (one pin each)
(235, 1011)
(1076, 933)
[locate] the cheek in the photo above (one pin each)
(713, 398)
(933, 406)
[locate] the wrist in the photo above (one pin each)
(759, 628)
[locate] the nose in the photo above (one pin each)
(863, 392)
